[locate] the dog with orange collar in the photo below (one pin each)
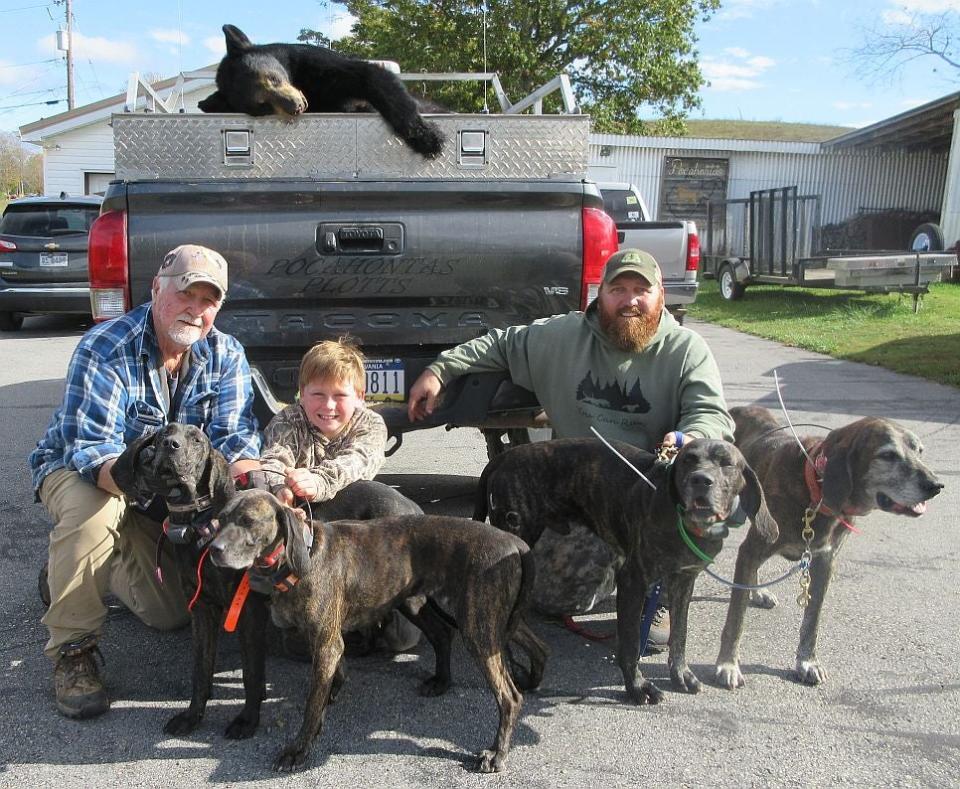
(342, 575)
(826, 482)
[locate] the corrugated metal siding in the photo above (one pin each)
(846, 182)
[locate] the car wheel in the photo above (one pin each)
(10, 321)
(927, 238)
(730, 289)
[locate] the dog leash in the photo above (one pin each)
(811, 469)
(803, 564)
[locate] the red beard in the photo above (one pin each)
(631, 333)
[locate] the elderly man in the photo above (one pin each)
(624, 366)
(161, 362)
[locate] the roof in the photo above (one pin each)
(928, 127)
(89, 113)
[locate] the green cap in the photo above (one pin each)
(632, 261)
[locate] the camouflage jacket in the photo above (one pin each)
(357, 453)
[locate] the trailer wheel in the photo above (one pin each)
(730, 289)
(927, 238)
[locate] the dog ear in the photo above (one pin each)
(839, 472)
(755, 504)
(222, 486)
(126, 471)
(237, 41)
(298, 554)
(215, 102)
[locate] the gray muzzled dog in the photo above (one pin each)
(555, 483)
(867, 465)
(356, 572)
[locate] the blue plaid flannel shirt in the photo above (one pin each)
(112, 397)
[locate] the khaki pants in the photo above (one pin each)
(99, 545)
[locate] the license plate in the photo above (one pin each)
(384, 380)
(49, 259)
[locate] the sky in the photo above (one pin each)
(782, 60)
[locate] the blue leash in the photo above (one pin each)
(649, 611)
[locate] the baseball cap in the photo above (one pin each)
(191, 263)
(633, 261)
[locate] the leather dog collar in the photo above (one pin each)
(813, 468)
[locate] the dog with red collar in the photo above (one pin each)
(827, 483)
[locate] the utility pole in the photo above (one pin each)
(70, 100)
(65, 44)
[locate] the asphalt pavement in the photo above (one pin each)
(887, 715)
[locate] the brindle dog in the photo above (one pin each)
(579, 480)
(356, 572)
(864, 466)
(178, 464)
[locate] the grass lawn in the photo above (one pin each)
(875, 329)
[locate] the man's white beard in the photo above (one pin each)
(184, 335)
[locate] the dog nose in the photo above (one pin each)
(700, 479)
(169, 442)
(933, 487)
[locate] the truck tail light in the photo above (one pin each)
(693, 250)
(109, 272)
(599, 243)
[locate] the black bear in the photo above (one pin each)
(289, 79)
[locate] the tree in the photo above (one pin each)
(19, 164)
(903, 37)
(624, 57)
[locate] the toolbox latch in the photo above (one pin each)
(238, 147)
(472, 147)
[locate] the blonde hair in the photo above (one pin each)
(334, 360)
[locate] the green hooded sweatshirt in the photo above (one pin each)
(582, 379)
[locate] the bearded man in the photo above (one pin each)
(161, 362)
(624, 366)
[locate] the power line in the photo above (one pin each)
(24, 8)
(31, 63)
(34, 104)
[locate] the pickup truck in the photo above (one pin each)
(675, 244)
(331, 228)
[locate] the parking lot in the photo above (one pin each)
(889, 639)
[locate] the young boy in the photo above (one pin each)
(315, 448)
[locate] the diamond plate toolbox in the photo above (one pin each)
(345, 146)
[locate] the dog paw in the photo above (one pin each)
(685, 680)
(489, 762)
(290, 759)
(241, 728)
(182, 723)
(647, 693)
(435, 686)
(761, 598)
(810, 672)
(728, 675)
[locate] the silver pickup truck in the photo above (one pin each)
(674, 244)
(331, 227)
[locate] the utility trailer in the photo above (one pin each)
(773, 237)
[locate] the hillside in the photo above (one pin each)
(763, 130)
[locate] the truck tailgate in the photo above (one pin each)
(403, 267)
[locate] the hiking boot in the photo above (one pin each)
(659, 637)
(76, 680)
(43, 586)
